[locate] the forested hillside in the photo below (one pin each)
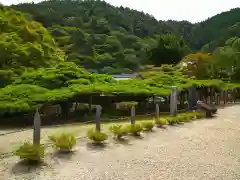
(24, 44)
(107, 39)
(98, 36)
(49, 50)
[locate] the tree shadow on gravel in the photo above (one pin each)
(162, 127)
(122, 141)
(22, 167)
(64, 155)
(174, 125)
(96, 146)
(180, 124)
(137, 136)
(149, 131)
(214, 116)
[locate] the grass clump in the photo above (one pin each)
(183, 117)
(134, 129)
(195, 115)
(118, 131)
(31, 153)
(97, 136)
(172, 120)
(192, 115)
(161, 122)
(147, 126)
(187, 117)
(64, 142)
(199, 115)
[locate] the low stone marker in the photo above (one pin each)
(157, 111)
(173, 101)
(98, 117)
(133, 114)
(36, 128)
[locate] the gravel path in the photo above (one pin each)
(202, 150)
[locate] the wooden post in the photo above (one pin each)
(173, 101)
(217, 99)
(208, 95)
(98, 118)
(36, 128)
(133, 115)
(90, 104)
(234, 95)
(211, 95)
(192, 98)
(157, 111)
(224, 97)
(197, 95)
(182, 99)
(200, 94)
(227, 97)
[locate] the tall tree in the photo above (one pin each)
(169, 50)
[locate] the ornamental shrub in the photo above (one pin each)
(161, 122)
(64, 142)
(97, 136)
(118, 131)
(134, 129)
(147, 126)
(31, 153)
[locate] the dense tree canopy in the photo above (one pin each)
(169, 50)
(24, 43)
(196, 65)
(217, 28)
(62, 61)
(226, 60)
(108, 39)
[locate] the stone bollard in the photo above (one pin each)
(98, 118)
(173, 101)
(37, 128)
(133, 114)
(157, 111)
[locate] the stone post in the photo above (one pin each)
(133, 113)
(173, 101)
(224, 97)
(98, 118)
(157, 111)
(36, 128)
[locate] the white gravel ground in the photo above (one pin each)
(202, 150)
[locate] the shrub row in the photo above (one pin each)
(66, 141)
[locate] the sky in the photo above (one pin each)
(190, 10)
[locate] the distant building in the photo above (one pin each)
(120, 77)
